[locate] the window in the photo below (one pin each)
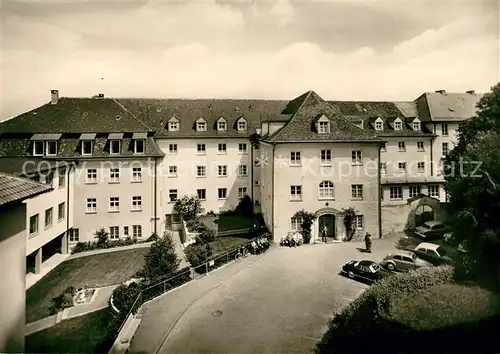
(172, 149)
(173, 126)
(136, 231)
(221, 126)
(444, 129)
(242, 125)
(114, 147)
(326, 190)
(222, 171)
(242, 148)
(401, 146)
(416, 125)
(91, 205)
(296, 223)
(125, 230)
(379, 126)
(172, 171)
(326, 157)
(242, 192)
(201, 171)
(296, 192)
(49, 178)
(356, 157)
(114, 232)
(420, 145)
(396, 193)
(202, 194)
(415, 191)
(74, 235)
(201, 149)
(295, 158)
(86, 147)
(137, 203)
(137, 174)
(139, 146)
(383, 167)
(421, 166)
(38, 148)
(34, 224)
(172, 195)
(48, 217)
(433, 191)
(114, 204)
(407, 259)
(51, 148)
(221, 148)
(222, 193)
(201, 126)
(383, 148)
(242, 170)
(358, 221)
(445, 149)
(402, 166)
(114, 175)
(398, 125)
(323, 127)
(357, 191)
(61, 211)
(62, 177)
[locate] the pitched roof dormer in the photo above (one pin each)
(322, 124)
(173, 124)
(241, 124)
(416, 124)
(221, 124)
(201, 125)
(398, 124)
(379, 124)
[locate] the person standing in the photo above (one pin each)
(368, 243)
(325, 232)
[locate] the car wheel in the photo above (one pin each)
(350, 274)
(391, 266)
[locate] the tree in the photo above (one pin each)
(307, 220)
(245, 207)
(161, 260)
(188, 206)
(349, 217)
(101, 236)
(472, 177)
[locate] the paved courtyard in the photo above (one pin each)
(278, 302)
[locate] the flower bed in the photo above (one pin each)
(82, 296)
(91, 246)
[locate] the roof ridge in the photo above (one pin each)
(126, 110)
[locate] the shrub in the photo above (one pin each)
(349, 217)
(161, 260)
(102, 237)
(154, 236)
(188, 207)
(83, 247)
(62, 301)
(245, 207)
(198, 254)
(124, 297)
(306, 224)
(194, 225)
(206, 235)
(91, 246)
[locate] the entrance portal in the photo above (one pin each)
(326, 222)
(423, 213)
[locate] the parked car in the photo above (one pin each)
(432, 230)
(432, 253)
(404, 261)
(365, 270)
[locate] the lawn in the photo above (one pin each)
(92, 271)
(84, 334)
(230, 222)
(223, 244)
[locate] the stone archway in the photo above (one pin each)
(328, 217)
(423, 213)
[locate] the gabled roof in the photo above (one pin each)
(16, 189)
(448, 106)
(21, 165)
(305, 109)
(76, 115)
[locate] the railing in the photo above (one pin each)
(162, 287)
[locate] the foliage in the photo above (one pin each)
(349, 217)
(91, 246)
(198, 254)
(471, 172)
(188, 206)
(154, 236)
(205, 235)
(124, 297)
(210, 213)
(245, 207)
(62, 301)
(161, 260)
(102, 237)
(194, 225)
(306, 224)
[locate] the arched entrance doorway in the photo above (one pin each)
(423, 213)
(326, 222)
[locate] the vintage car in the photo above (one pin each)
(432, 253)
(432, 230)
(364, 270)
(403, 261)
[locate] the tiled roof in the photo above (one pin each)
(23, 165)
(76, 115)
(301, 126)
(157, 112)
(450, 106)
(16, 189)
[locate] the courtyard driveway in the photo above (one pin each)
(279, 302)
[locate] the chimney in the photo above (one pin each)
(54, 96)
(471, 92)
(101, 95)
(443, 92)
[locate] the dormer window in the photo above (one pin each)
(51, 148)
(416, 124)
(201, 125)
(173, 124)
(323, 125)
(38, 148)
(139, 142)
(379, 124)
(221, 125)
(87, 146)
(398, 125)
(45, 144)
(242, 124)
(114, 147)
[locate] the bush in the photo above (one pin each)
(161, 260)
(245, 207)
(124, 297)
(198, 254)
(206, 235)
(102, 237)
(83, 247)
(62, 301)
(306, 224)
(91, 246)
(188, 207)
(194, 225)
(154, 236)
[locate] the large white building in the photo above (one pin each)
(126, 161)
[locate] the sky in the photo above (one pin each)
(276, 49)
